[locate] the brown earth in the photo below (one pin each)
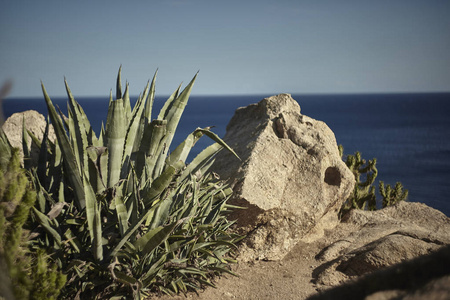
(400, 252)
(292, 278)
(289, 278)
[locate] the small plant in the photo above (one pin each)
(27, 274)
(121, 214)
(365, 172)
(392, 196)
(364, 194)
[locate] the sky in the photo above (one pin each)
(239, 47)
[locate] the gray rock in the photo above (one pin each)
(34, 122)
(367, 241)
(291, 178)
(424, 277)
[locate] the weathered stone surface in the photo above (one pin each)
(291, 177)
(367, 241)
(34, 122)
(424, 277)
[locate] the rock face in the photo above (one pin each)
(34, 122)
(291, 178)
(368, 241)
(425, 277)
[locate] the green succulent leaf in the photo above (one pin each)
(131, 230)
(168, 104)
(133, 134)
(93, 220)
(45, 222)
(201, 160)
(161, 183)
(119, 84)
(5, 150)
(43, 156)
(121, 209)
(155, 237)
(151, 99)
(126, 103)
(115, 139)
(82, 127)
(69, 158)
(173, 117)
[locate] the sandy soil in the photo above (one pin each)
(290, 278)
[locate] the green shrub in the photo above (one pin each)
(364, 195)
(120, 214)
(24, 274)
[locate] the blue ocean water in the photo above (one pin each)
(409, 134)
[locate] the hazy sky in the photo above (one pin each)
(240, 47)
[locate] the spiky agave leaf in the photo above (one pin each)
(93, 220)
(184, 148)
(131, 230)
(154, 237)
(173, 117)
(133, 134)
(201, 160)
(115, 140)
(161, 183)
(70, 160)
(119, 84)
(121, 209)
(5, 149)
(168, 104)
(151, 99)
(97, 167)
(82, 134)
(43, 156)
(126, 103)
(26, 150)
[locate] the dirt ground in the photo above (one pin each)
(290, 278)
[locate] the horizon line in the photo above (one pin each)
(250, 94)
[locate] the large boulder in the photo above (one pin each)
(291, 178)
(34, 122)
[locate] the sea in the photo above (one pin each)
(408, 134)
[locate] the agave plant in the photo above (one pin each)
(118, 212)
